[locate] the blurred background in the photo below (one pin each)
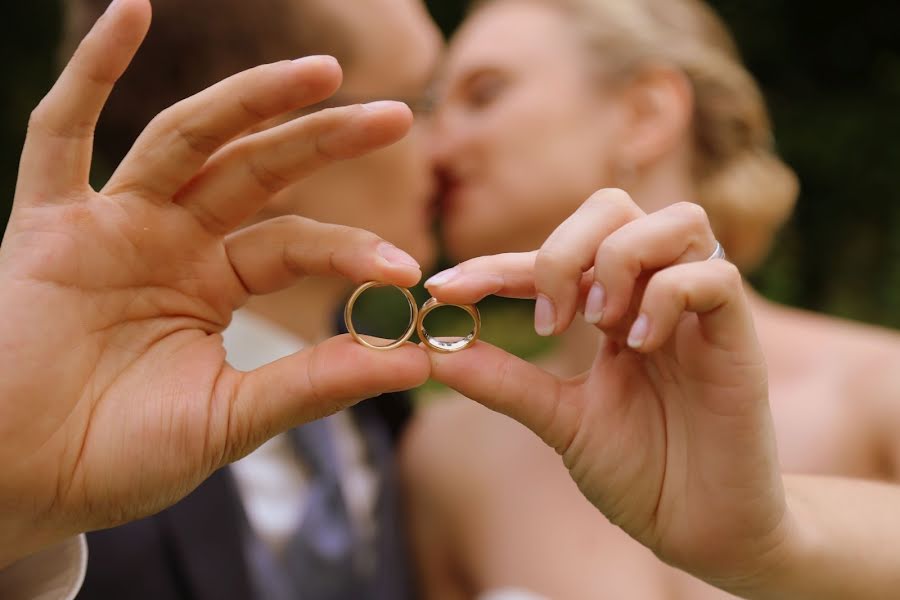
(831, 74)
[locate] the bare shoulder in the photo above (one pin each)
(860, 361)
(867, 357)
(873, 390)
(874, 375)
(824, 340)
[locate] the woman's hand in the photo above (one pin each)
(115, 397)
(669, 434)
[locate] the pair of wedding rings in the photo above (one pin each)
(416, 322)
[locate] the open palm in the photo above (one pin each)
(116, 400)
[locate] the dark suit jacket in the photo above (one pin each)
(195, 549)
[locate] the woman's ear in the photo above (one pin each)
(660, 105)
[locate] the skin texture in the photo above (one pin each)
(480, 520)
(121, 293)
(388, 191)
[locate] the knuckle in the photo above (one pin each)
(248, 107)
(211, 219)
(729, 272)
(552, 262)
(38, 116)
(614, 254)
(267, 177)
(199, 143)
(41, 120)
(290, 222)
(614, 197)
(293, 227)
(665, 283)
(692, 212)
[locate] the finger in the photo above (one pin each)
(513, 387)
(180, 140)
(238, 180)
(570, 251)
(676, 234)
(711, 289)
(276, 253)
(508, 275)
(314, 383)
(57, 152)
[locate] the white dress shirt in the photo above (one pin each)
(55, 573)
(272, 482)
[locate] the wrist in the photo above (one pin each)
(787, 572)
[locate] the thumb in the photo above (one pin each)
(314, 383)
(511, 386)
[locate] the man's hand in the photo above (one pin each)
(115, 397)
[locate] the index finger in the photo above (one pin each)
(509, 275)
(57, 152)
(179, 141)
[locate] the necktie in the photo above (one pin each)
(320, 559)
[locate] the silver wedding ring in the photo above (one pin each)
(718, 253)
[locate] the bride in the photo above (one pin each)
(542, 102)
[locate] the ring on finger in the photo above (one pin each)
(718, 253)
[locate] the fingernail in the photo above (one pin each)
(638, 334)
(595, 304)
(380, 105)
(111, 6)
(442, 278)
(544, 316)
(396, 256)
(322, 58)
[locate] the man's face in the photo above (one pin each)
(396, 48)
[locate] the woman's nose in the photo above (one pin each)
(445, 140)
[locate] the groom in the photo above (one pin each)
(313, 513)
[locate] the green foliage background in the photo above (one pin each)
(831, 74)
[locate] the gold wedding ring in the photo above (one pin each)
(440, 345)
(416, 322)
(413, 316)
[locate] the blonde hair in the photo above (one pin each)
(746, 189)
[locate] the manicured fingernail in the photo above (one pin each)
(396, 256)
(381, 105)
(638, 334)
(442, 278)
(595, 304)
(544, 316)
(321, 58)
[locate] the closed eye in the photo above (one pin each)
(483, 88)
